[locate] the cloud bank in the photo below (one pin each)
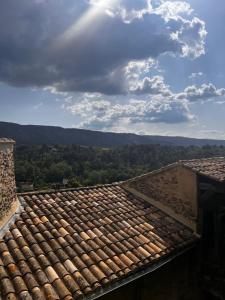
(103, 114)
(160, 106)
(86, 45)
(204, 92)
(105, 48)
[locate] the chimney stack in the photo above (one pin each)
(9, 203)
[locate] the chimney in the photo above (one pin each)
(9, 203)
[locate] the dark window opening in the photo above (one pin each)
(208, 234)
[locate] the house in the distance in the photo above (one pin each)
(158, 236)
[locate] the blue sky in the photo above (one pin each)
(142, 66)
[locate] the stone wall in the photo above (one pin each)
(173, 189)
(7, 178)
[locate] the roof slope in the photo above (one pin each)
(210, 167)
(70, 244)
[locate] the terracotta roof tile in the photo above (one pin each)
(68, 244)
(210, 167)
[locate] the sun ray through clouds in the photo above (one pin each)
(91, 19)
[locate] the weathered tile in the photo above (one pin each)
(66, 245)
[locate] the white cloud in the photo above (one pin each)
(203, 92)
(37, 106)
(189, 32)
(212, 133)
(172, 9)
(193, 37)
(150, 85)
(134, 69)
(159, 105)
(102, 114)
(195, 75)
(129, 10)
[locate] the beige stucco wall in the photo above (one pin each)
(7, 180)
(173, 189)
(187, 191)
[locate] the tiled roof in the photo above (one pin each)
(210, 167)
(71, 244)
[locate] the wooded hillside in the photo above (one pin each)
(81, 166)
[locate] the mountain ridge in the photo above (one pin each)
(51, 135)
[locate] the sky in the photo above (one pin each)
(141, 66)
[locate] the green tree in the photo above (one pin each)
(58, 171)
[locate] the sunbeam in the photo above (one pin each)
(92, 17)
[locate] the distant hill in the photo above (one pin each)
(51, 135)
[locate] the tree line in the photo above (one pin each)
(45, 166)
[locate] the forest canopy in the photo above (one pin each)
(45, 166)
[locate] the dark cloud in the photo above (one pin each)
(91, 56)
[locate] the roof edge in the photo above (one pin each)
(10, 218)
(145, 271)
(199, 172)
(157, 171)
(182, 164)
(50, 191)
